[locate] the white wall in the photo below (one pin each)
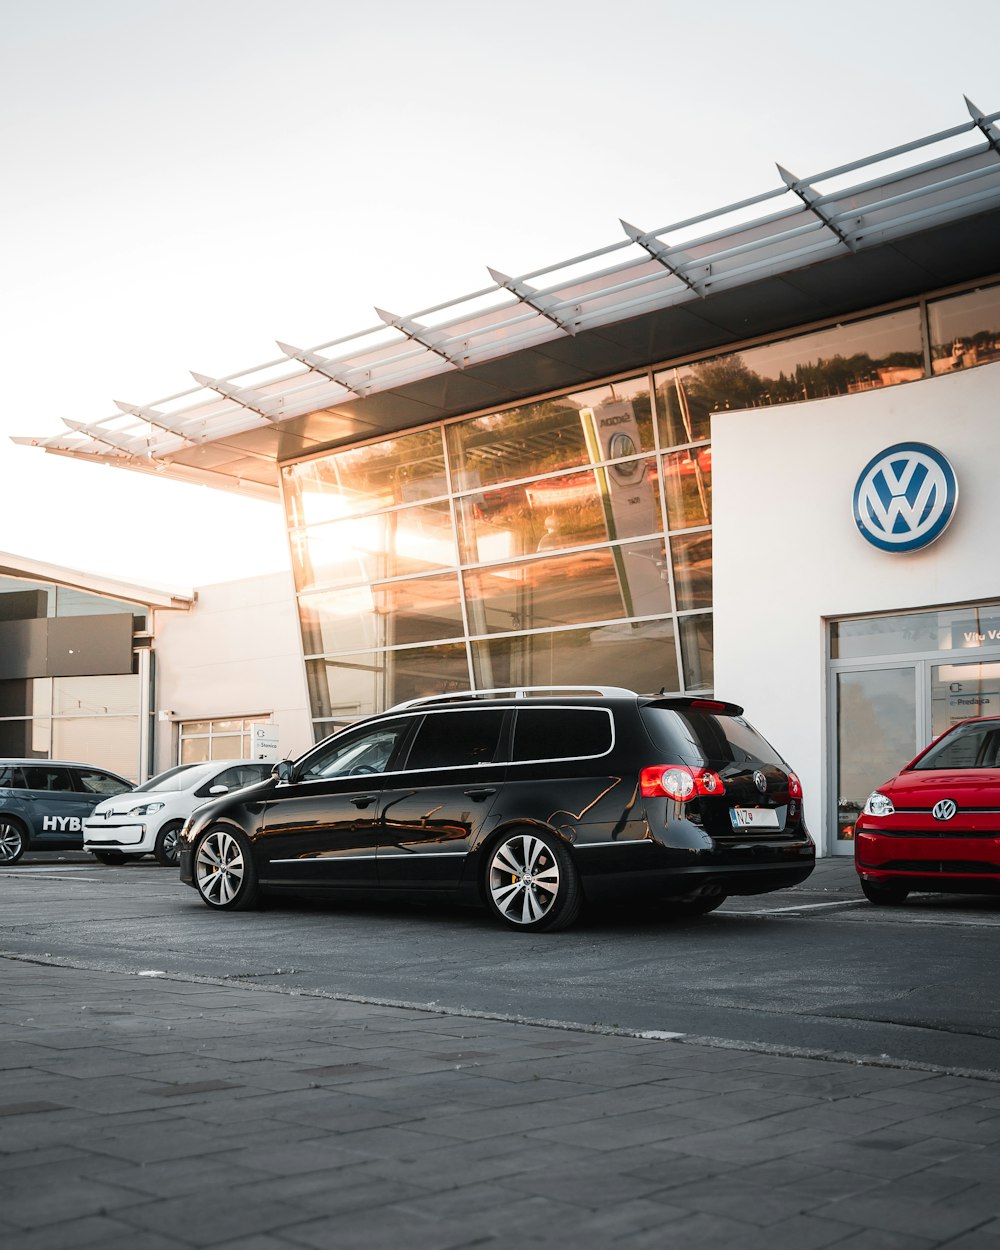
(236, 653)
(787, 552)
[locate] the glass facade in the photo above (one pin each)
(567, 540)
(201, 740)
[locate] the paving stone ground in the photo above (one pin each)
(150, 1113)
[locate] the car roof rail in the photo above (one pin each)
(516, 692)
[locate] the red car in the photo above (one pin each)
(936, 825)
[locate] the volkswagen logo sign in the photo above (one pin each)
(760, 781)
(945, 809)
(905, 497)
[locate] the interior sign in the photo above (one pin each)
(905, 497)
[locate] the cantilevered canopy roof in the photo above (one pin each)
(93, 583)
(919, 217)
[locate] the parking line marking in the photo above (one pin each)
(774, 911)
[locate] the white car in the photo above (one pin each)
(149, 818)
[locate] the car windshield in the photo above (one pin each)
(700, 738)
(974, 745)
(180, 778)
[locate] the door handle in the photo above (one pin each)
(481, 792)
(364, 800)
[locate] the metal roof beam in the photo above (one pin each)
(811, 199)
(673, 260)
(319, 364)
(263, 405)
(431, 339)
(985, 125)
(534, 298)
(128, 446)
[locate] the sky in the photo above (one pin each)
(188, 181)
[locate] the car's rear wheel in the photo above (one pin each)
(167, 849)
(223, 871)
(110, 857)
(531, 882)
(884, 895)
(13, 841)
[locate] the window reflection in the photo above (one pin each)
(639, 656)
(687, 483)
(692, 555)
(697, 653)
(623, 581)
(618, 501)
(399, 470)
(965, 330)
(418, 610)
(948, 629)
(363, 549)
(607, 422)
(863, 356)
(359, 685)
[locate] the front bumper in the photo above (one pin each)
(108, 836)
(954, 864)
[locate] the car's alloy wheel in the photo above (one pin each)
(224, 871)
(531, 882)
(167, 849)
(13, 843)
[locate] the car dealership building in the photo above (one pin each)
(752, 453)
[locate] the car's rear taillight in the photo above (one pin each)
(677, 781)
(794, 786)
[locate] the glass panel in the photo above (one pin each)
(195, 727)
(359, 685)
(863, 356)
(370, 548)
(607, 422)
(639, 657)
(630, 580)
(697, 653)
(965, 330)
(459, 739)
(692, 554)
(910, 633)
(364, 479)
(970, 746)
(369, 617)
(963, 691)
(876, 736)
(560, 733)
(687, 482)
(48, 777)
(365, 752)
(226, 747)
(621, 501)
(194, 750)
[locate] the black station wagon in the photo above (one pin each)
(529, 801)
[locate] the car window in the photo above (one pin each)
(355, 752)
(968, 746)
(93, 781)
(47, 777)
(456, 739)
(697, 737)
(561, 733)
(235, 778)
(12, 778)
(173, 779)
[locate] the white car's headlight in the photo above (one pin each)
(146, 809)
(878, 804)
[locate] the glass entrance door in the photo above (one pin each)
(876, 732)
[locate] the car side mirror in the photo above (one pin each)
(218, 789)
(284, 770)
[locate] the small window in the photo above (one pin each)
(561, 733)
(457, 739)
(48, 778)
(355, 754)
(93, 781)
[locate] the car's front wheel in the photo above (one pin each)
(531, 882)
(223, 871)
(884, 895)
(13, 841)
(167, 849)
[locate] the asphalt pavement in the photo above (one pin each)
(146, 1110)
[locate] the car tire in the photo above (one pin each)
(112, 858)
(13, 841)
(531, 883)
(224, 873)
(682, 908)
(884, 895)
(167, 849)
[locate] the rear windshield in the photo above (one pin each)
(968, 746)
(695, 737)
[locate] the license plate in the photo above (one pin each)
(753, 817)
